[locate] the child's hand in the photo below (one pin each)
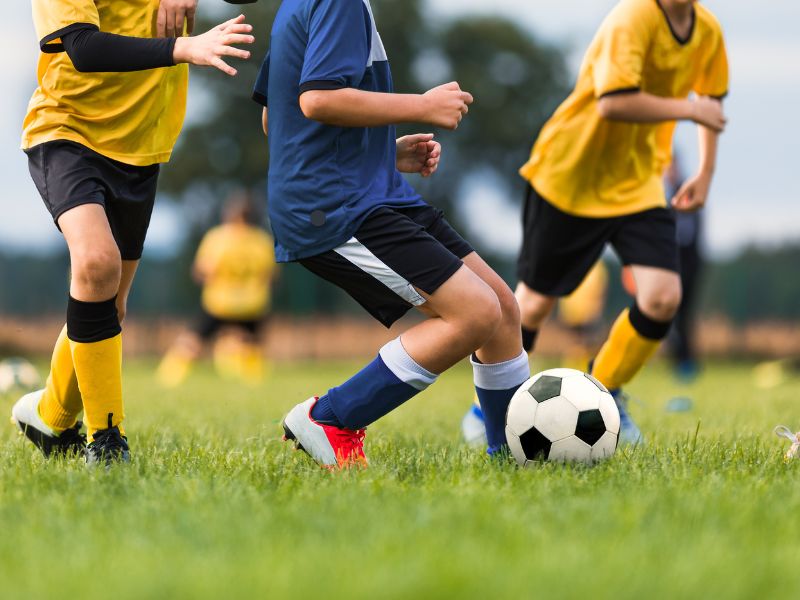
(418, 153)
(171, 16)
(446, 105)
(692, 194)
(209, 48)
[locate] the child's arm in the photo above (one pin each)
(693, 194)
(641, 107)
(265, 121)
(443, 106)
(91, 50)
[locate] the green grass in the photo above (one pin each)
(215, 506)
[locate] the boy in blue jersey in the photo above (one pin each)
(340, 207)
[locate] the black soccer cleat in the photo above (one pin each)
(108, 447)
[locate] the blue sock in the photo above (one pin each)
(495, 385)
(384, 384)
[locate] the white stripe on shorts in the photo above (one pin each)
(358, 254)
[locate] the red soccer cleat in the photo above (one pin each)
(331, 447)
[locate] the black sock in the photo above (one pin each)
(89, 322)
(647, 327)
(528, 338)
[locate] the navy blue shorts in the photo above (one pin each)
(394, 253)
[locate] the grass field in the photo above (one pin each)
(215, 506)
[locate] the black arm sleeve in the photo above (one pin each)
(93, 51)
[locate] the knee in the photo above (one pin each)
(533, 308)
(661, 304)
(484, 316)
(509, 308)
(97, 269)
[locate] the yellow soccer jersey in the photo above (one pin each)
(594, 167)
(133, 117)
(238, 262)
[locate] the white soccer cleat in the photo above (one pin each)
(25, 415)
(330, 446)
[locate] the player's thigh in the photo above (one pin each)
(132, 193)
(558, 249)
(508, 303)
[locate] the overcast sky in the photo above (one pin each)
(756, 196)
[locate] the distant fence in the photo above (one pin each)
(345, 338)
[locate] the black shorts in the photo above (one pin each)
(559, 249)
(68, 174)
(394, 253)
(208, 325)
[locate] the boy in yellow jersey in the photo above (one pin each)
(235, 264)
(108, 109)
(595, 173)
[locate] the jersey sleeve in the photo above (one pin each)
(338, 49)
(261, 87)
(713, 80)
(54, 18)
(622, 45)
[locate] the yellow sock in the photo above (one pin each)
(174, 368)
(99, 369)
(61, 401)
(252, 365)
(624, 353)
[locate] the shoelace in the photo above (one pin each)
(351, 442)
(784, 432)
(73, 436)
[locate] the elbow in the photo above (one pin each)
(313, 104)
(607, 108)
(79, 62)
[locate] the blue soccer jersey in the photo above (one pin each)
(325, 180)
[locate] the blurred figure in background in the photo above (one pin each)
(689, 227)
(235, 265)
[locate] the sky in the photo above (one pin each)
(756, 193)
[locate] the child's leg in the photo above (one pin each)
(464, 313)
(534, 309)
(638, 331)
(93, 324)
(500, 365)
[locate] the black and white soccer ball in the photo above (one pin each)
(562, 415)
(17, 374)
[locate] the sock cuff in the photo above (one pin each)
(501, 376)
(405, 368)
(647, 327)
(89, 322)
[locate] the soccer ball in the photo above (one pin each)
(562, 415)
(18, 374)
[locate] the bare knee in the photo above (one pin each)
(534, 308)
(662, 303)
(96, 272)
(482, 317)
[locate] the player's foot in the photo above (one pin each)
(473, 426)
(330, 446)
(25, 414)
(629, 433)
(108, 447)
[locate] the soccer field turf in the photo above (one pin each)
(215, 506)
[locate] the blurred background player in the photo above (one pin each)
(596, 170)
(689, 233)
(104, 116)
(235, 265)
